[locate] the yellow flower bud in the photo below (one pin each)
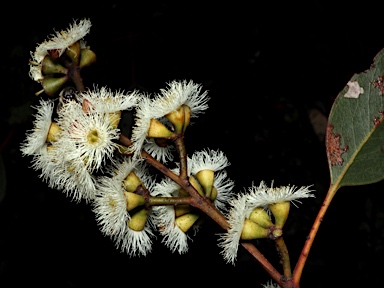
(280, 211)
(182, 209)
(261, 217)
(186, 221)
(114, 119)
(53, 132)
(158, 130)
(214, 193)
(131, 182)
(251, 230)
(138, 220)
(206, 178)
(187, 116)
(196, 185)
(133, 200)
(176, 117)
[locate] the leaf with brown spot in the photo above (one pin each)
(355, 133)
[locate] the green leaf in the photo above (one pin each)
(355, 133)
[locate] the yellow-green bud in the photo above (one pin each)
(280, 211)
(206, 178)
(182, 209)
(49, 66)
(261, 217)
(186, 221)
(158, 130)
(187, 117)
(214, 193)
(131, 182)
(88, 57)
(251, 230)
(133, 200)
(53, 132)
(73, 52)
(176, 117)
(196, 185)
(138, 220)
(52, 85)
(114, 119)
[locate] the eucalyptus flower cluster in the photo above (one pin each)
(78, 147)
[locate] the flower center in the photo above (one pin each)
(93, 137)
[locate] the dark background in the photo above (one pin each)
(265, 66)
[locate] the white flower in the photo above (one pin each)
(178, 93)
(224, 187)
(59, 41)
(110, 207)
(105, 100)
(160, 153)
(135, 243)
(270, 284)
(173, 237)
(209, 160)
(262, 196)
(37, 137)
(230, 241)
(88, 136)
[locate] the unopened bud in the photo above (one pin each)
(158, 130)
(49, 66)
(53, 133)
(73, 52)
(114, 119)
(187, 117)
(196, 185)
(280, 211)
(261, 217)
(138, 220)
(52, 85)
(251, 230)
(131, 182)
(176, 117)
(133, 200)
(206, 178)
(88, 57)
(186, 221)
(182, 209)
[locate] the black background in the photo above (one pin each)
(265, 65)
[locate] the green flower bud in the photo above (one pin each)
(73, 52)
(52, 85)
(87, 58)
(49, 67)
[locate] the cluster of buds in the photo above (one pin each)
(56, 60)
